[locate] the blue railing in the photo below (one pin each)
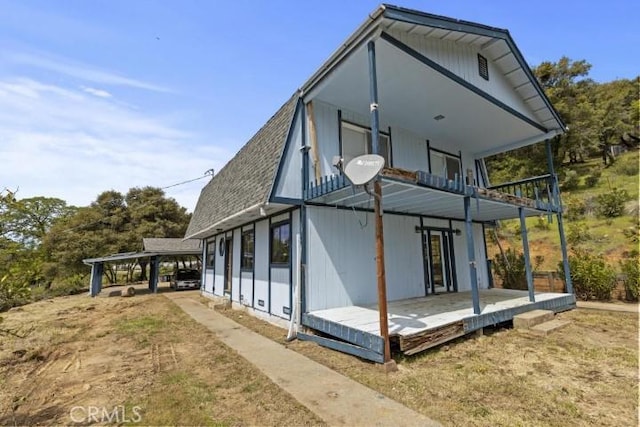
(541, 188)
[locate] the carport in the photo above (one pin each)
(155, 249)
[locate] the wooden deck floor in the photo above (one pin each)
(415, 315)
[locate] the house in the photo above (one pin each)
(283, 228)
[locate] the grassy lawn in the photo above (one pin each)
(584, 374)
(140, 356)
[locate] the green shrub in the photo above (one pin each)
(626, 165)
(578, 232)
(631, 271)
(575, 208)
(512, 270)
(592, 278)
(571, 180)
(542, 223)
(13, 293)
(611, 204)
(590, 181)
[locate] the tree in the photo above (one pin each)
(113, 223)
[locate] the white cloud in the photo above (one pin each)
(97, 92)
(78, 70)
(59, 142)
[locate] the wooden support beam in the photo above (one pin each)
(313, 140)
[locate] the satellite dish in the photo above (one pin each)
(363, 169)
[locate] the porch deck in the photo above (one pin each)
(419, 323)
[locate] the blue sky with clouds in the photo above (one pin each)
(96, 95)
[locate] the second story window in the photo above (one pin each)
(356, 141)
(445, 165)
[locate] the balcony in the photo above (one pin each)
(422, 193)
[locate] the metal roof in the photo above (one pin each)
(167, 244)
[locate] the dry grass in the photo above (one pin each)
(584, 374)
(138, 352)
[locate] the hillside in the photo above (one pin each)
(613, 238)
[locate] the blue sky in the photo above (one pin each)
(96, 95)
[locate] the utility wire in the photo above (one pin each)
(209, 172)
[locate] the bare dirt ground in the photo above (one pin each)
(137, 360)
(584, 374)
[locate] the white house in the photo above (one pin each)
(441, 95)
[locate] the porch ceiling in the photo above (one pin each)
(408, 198)
(412, 94)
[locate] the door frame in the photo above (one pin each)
(228, 265)
(447, 255)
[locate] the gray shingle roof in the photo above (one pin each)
(170, 244)
(246, 180)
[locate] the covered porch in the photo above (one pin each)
(417, 324)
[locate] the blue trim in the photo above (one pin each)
(558, 304)
(290, 264)
(390, 148)
(340, 134)
(425, 269)
(269, 236)
(428, 156)
(432, 284)
(373, 342)
(343, 347)
(446, 242)
(527, 259)
(97, 269)
(452, 252)
(286, 201)
(473, 274)
(285, 149)
(373, 95)
(486, 256)
(442, 70)
(438, 21)
(303, 217)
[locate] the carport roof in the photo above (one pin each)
(155, 247)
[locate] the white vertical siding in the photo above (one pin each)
(342, 269)
(409, 150)
(462, 257)
(235, 266)
(280, 288)
(246, 287)
(208, 280)
(219, 270)
(462, 60)
(290, 181)
(261, 279)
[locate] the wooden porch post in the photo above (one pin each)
(558, 203)
(527, 260)
(377, 189)
(473, 274)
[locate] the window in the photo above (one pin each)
(211, 254)
(247, 248)
(483, 67)
(445, 165)
(280, 243)
(356, 141)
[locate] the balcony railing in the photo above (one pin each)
(541, 188)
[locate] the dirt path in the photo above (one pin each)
(132, 359)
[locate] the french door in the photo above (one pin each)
(439, 268)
